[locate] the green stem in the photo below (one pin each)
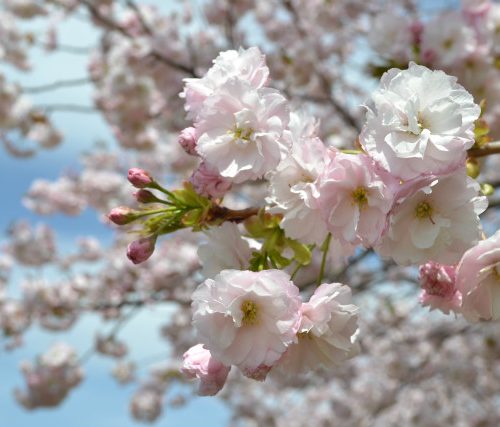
(147, 213)
(324, 247)
(296, 270)
(158, 187)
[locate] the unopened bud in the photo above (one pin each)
(140, 250)
(145, 196)
(139, 178)
(187, 140)
(122, 215)
(487, 189)
(473, 168)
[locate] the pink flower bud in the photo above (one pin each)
(416, 29)
(199, 363)
(145, 196)
(140, 250)
(207, 182)
(187, 140)
(139, 178)
(122, 215)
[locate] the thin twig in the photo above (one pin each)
(325, 247)
(490, 148)
(112, 25)
(57, 85)
(67, 108)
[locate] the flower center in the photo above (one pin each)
(304, 335)
(360, 196)
(448, 44)
(424, 210)
(250, 312)
(242, 134)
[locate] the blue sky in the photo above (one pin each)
(99, 401)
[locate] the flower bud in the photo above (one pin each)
(140, 250)
(139, 178)
(122, 215)
(145, 196)
(187, 140)
(199, 363)
(473, 167)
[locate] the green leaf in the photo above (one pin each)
(302, 253)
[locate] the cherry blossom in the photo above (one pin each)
(421, 122)
(198, 363)
(477, 280)
(247, 319)
(240, 130)
(328, 331)
(438, 221)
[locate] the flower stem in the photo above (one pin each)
(324, 247)
(296, 270)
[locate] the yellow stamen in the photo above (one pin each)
(360, 196)
(250, 312)
(424, 210)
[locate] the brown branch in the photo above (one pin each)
(232, 215)
(112, 25)
(325, 82)
(135, 8)
(57, 85)
(67, 108)
(490, 148)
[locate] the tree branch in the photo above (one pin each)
(490, 148)
(57, 85)
(112, 25)
(232, 215)
(68, 108)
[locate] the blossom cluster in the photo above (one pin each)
(51, 378)
(257, 322)
(289, 189)
(405, 193)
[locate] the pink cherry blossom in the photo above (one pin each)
(247, 65)
(439, 290)
(328, 331)
(240, 130)
(187, 140)
(224, 249)
(354, 199)
(246, 318)
(293, 185)
(446, 39)
(478, 279)
(208, 182)
(421, 122)
(51, 378)
(437, 219)
(199, 363)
